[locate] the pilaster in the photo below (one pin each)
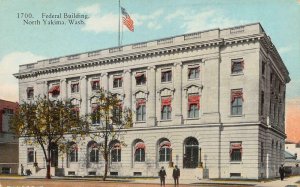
(83, 93)
(178, 93)
(211, 90)
(63, 89)
(151, 103)
(127, 87)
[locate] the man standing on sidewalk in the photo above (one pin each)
(162, 175)
(176, 175)
(281, 172)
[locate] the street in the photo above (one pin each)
(88, 183)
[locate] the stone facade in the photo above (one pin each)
(9, 154)
(232, 79)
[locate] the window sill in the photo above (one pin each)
(140, 122)
(167, 82)
(140, 85)
(165, 120)
(193, 79)
(117, 88)
(235, 162)
(237, 74)
(193, 118)
(234, 116)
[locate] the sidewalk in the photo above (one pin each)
(287, 182)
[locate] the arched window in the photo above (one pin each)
(191, 153)
(93, 151)
(139, 151)
(72, 152)
(115, 151)
(165, 151)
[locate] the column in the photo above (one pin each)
(104, 81)
(151, 103)
(83, 95)
(177, 99)
(63, 89)
(127, 87)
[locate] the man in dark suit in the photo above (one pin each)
(281, 172)
(176, 175)
(162, 175)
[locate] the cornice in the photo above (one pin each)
(140, 55)
(272, 51)
(121, 58)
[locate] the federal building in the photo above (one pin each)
(211, 102)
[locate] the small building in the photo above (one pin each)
(9, 147)
(212, 102)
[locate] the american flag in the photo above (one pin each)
(127, 21)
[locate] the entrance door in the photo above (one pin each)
(54, 155)
(191, 154)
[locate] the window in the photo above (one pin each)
(193, 72)
(263, 68)
(141, 110)
(237, 66)
(75, 87)
(140, 78)
(117, 113)
(94, 152)
(117, 82)
(73, 153)
(30, 93)
(236, 151)
(8, 111)
(193, 105)
(165, 151)
(262, 153)
(237, 102)
(54, 90)
(95, 114)
(166, 108)
(30, 155)
(116, 152)
(95, 85)
(262, 102)
(75, 104)
(6, 170)
(166, 76)
(139, 154)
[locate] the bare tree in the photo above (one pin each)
(47, 123)
(113, 119)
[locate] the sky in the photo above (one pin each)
(21, 43)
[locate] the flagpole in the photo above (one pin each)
(119, 40)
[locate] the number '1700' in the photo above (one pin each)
(24, 15)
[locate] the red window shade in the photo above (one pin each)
(117, 146)
(194, 99)
(237, 146)
(140, 102)
(139, 75)
(140, 145)
(54, 88)
(118, 77)
(95, 82)
(236, 94)
(74, 147)
(75, 109)
(167, 101)
(95, 107)
(165, 144)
